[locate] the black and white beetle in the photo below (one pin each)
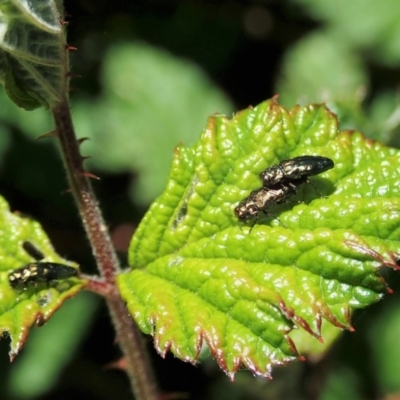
(296, 169)
(279, 183)
(38, 272)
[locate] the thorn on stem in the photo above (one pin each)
(48, 134)
(72, 75)
(66, 191)
(81, 140)
(90, 175)
(71, 48)
(118, 364)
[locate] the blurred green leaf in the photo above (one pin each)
(198, 276)
(319, 68)
(151, 101)
(367, 25)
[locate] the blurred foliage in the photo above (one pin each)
(333, 64)
(366, 25)
(344, 53)
(151, 101)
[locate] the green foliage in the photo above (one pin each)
(22, 308)
(150, 102)
(304, 74)
(366, 24)
(333, 64)
(198, 275)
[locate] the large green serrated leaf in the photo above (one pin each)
(21, 308)
(200, 276)
(33, 58)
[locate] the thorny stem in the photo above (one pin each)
(129, 336)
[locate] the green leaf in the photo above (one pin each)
(21, 308)
(199, 277)
(33, 57)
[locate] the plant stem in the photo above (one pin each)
(129, 336)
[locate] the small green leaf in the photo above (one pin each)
(33, 57)
(199, 277)
(20, 308)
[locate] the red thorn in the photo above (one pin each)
(72, 75)
(71, 48)
(351, 329)
(302, 358)
(320, 339)
(90, 175)
(66, 191)
(389, 290)
(119, 364)
(48, 134)
(81, 140)
(63, 23)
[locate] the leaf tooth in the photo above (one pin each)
(289, 313)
